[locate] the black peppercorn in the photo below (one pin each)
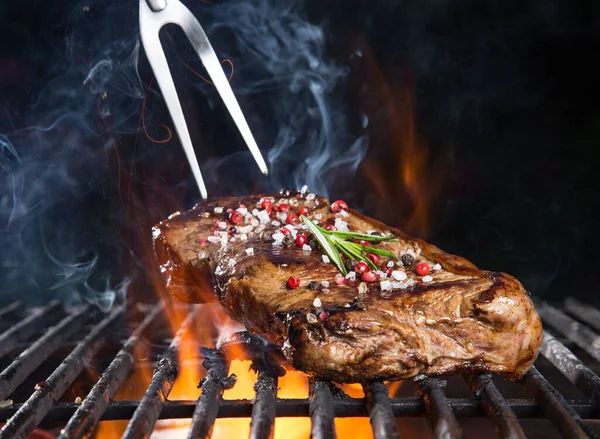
(350, 264)
(312, 242)
(288, 240)
(266, 236)
(407, 260)
(313, 285)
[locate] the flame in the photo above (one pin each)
(408, 179)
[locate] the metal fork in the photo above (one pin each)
(154, 14)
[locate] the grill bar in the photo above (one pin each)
(40, 403)
(147, 413)
(11, 308)
(263, 409)
(566, 420)
(37, 353)
(579, 334)
(90, 411)
(343, 407)
(495, 406)
(584, 312)
(207, 405)
(27, 327)
(382, 418)
(322, 411)
(571, 367)
(443, 421)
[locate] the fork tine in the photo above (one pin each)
(201, 44)
(149, 32)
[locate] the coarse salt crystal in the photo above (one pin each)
(399, 275)
(311, 318)
(254, 222)
(381, 274)
(307, 248)
(224, 240)
(410, 283)
(242, 210)
(317, 303)
(278, 236)
(427, 279)
(277, 243)
(344, 213)
(310, 196)
(263, 216)
(245, 229)
(293, 202)
(398, 285)
(232, 239)
(351, 275)
(218, 209)
(250, 251)
(436, 267)
(214, 239)
(385, 285)
(254, 212)
(244, 237)
(202, 255)
(303, 189)
(259, 228)
(325, 283)
(282, 216)
(319, 216)
(390, 264)
(325, 259)
(325, 290)
(275, 223)
(362, 288)
(222, 225)
(292, 230)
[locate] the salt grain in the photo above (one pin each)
(427, 279)
(399, 275)
(214, 239)
(275, 223)
(307, 248)
(250, 251)
(311, 318)
(362, 288)
(325, 283)
(317, 303)
(263, 216)
(222, 225)
(254, 222)
(245, 229)
(385, 285)
(437, 267)
(218, 210)
(351, 275)
(325, 259)
(390, 264)
(398, 285)
(254, 212)
(242, 210)
(310, 196)
(319, 216)
(243, 237)
(303, 189)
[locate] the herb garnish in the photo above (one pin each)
(334, 242)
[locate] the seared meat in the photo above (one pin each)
(456, 319)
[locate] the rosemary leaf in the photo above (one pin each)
(363, 236)
(381, 252)
(360, 252)
(327, 246)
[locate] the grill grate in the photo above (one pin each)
(28, 347)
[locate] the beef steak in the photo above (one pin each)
(455, 319)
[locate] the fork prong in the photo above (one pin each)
(209, 58)
(150, 25)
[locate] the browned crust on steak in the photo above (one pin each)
(465, 320)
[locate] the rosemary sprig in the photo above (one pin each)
(334, 242)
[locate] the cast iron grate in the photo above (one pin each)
(31, 340)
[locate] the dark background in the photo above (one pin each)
(472, 124)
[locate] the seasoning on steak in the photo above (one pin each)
(455, 319)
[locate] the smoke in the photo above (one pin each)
(76, 161)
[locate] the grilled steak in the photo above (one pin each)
(456, 318)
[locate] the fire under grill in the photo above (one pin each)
(48, 355)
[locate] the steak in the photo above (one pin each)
(455, 319)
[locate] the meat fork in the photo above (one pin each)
(154, 14)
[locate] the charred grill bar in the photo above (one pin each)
(27, 346)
